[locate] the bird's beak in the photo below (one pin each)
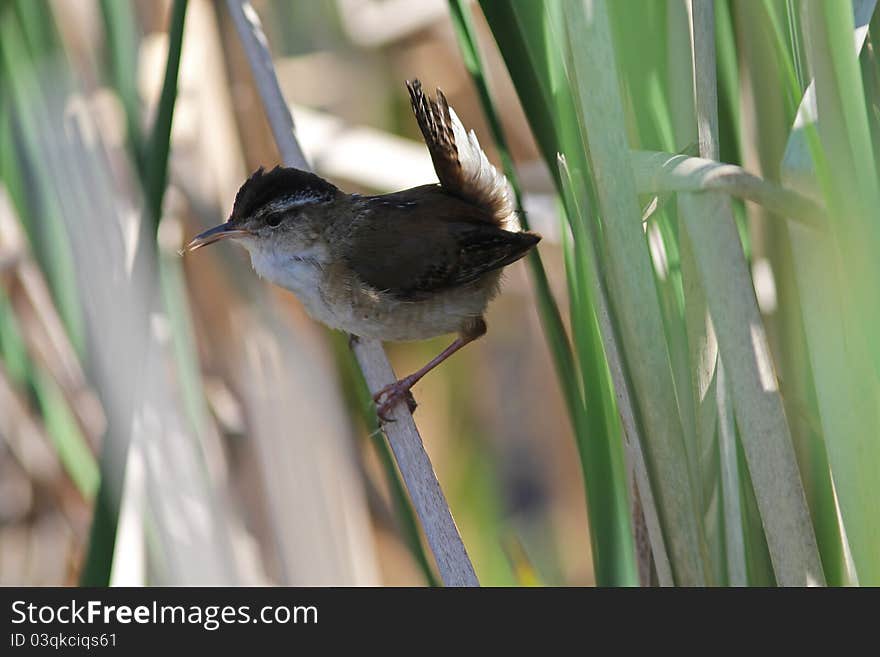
(221, 232)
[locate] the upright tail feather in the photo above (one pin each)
(461, 165)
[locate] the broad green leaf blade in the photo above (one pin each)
(601, 451)
(631, 285)
(123, 41)
(72, 447)
(597, 431)
(731, 482)
(48, 238)
(588, 291)
(697, 392)
(743, 347)
(837, 280)
(548, 310)
(96, 571)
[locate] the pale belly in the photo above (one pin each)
(330, 296)
(377, 315)
(372, 314)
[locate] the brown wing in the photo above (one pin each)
(460, 163)
(412, 258)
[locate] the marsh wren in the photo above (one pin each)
(404, 266)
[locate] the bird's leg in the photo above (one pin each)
(389, 396)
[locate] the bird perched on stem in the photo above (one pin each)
(409, 265)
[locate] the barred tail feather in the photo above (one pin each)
(461, 165)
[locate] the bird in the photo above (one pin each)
(409, 265)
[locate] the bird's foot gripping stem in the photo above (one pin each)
(389, 396)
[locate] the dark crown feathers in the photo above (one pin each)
(261, 188)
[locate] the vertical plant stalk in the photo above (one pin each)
(120, 30)
(551, 318)
(159, 144)
(744, 350)
(605, 481)
(48, 238)
(427, 497)
(644, 506)
(707, 386)
(734, 537)
(96, 570)
(699, 351)
(725, 471)
(631, 287)
(846, 393)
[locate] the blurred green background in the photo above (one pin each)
(681, 387)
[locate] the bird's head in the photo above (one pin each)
(282, 211)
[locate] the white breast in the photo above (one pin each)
(363, 311)
(301, 274)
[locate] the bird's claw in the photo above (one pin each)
(389, 396)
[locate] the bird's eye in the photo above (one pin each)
(274, 220)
